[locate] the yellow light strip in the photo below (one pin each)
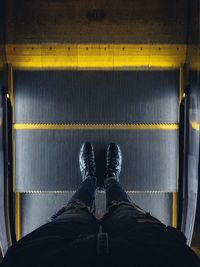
(174, 209)
(96, 126)
(80, 56)
(195, 125)
(17, 215)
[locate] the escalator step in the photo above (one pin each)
(96, 96)
(48, 160)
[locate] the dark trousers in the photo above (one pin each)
(121, 213)
(125, 234)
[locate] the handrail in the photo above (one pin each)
(10, 171)
(187, 195)
(183, 159)
(181, 164)
(7, 232)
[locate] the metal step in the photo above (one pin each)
(96, 96)
(48, 159)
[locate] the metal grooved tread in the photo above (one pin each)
(32, 217)
(96, 96)
(48, 160)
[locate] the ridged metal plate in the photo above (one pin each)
(159, 205)
(48, 159)
(96, 96)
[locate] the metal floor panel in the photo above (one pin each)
(96, 96)
(48, 160)
(36, 208)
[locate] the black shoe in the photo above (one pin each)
(87, 160)
(113, 161)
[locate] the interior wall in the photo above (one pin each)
(123, 21)
(2, 36)
(2, 45)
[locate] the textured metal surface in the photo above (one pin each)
(48, 160)
(96, 96)
(33, 217)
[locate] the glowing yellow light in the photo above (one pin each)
(96, 126)
(195, 125)
(95, 56)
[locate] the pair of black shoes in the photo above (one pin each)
(88, 165)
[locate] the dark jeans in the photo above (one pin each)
(125, 234)
(121, 213)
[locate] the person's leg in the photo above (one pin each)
(79, 207)
(122, 213)
(76, 218)
(133, 234)
(114, 193)
(70, 224)
(79, 210)
(83, 197)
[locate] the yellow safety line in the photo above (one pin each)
(174, 209)
(17, 215)
(195, 125)
(108, 56)
(95, 126)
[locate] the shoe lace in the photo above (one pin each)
(88, 161)
(113, 164)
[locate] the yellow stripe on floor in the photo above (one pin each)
(96, 126)
(195, 125)
(17, 215)
(174, 209)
